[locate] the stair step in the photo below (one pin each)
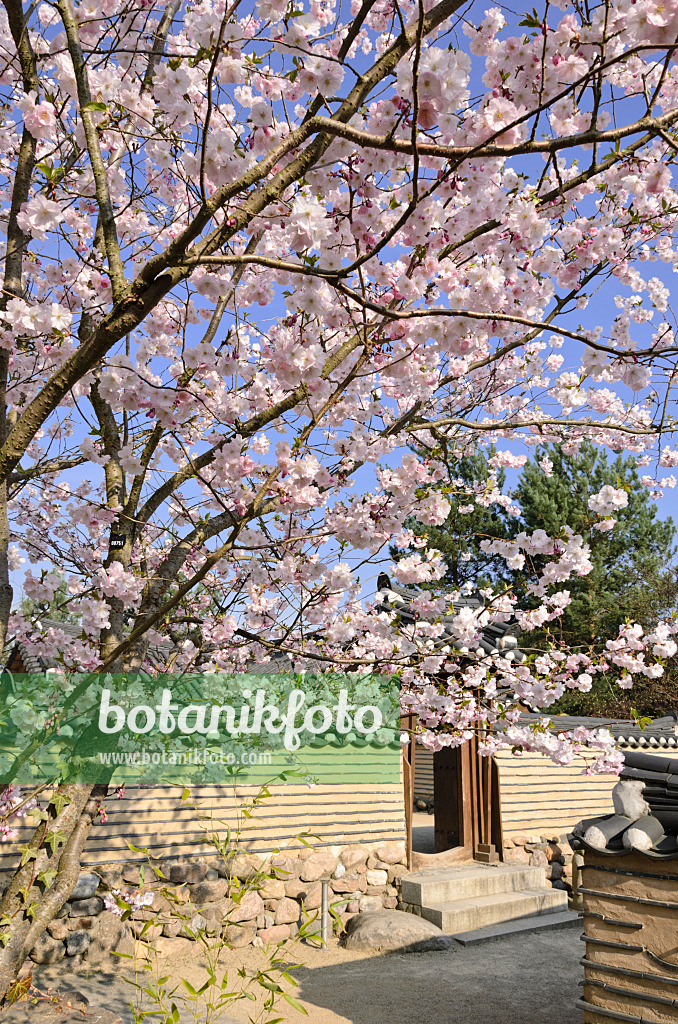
(443, 885)
(524, 925)
(458, 916)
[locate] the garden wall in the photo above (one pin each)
(200, 890)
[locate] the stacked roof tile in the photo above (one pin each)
(646, 806)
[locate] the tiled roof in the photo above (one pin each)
(496, 639)
(39, 663)
(662, 733)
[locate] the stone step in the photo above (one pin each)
(459, 916)
(431, 887)
(521, 926)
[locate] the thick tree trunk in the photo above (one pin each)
(46, 879)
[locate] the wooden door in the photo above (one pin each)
(448, 798)
(467, 802)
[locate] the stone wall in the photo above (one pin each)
(362, 878)
(553, 853)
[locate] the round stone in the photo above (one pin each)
(391, 930)
(77, 942)
(86, 886)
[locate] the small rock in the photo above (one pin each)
(370, 904)
(82, 924)
(77, 942)
(47, 950)
(191, 872)
(538, 859)
(238, 935)
(58, 929)
(340, 870)
(285, 868)
(273, 889)
(314, 896)
(249, 908)
(287, 911)
(212, 875)
(353, 906)
(242, 866)
(391, 853)
(396, 871)
(86, 908)
(208, 892)
(421, 805)
(518, 856)
(321, 864)
(111, 877)
(190, 929)
(146, 931)
(296, 889)
(174, 947)
(390, 930)
(278, 933)
(342, 885)
(86, 886)
(390, 902)
(520, 840)
(112, 936)
(377, 877)
(131, 875)
(353, 856)
(143, 914)
(171, 929)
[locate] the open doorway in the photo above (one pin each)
(456, 805)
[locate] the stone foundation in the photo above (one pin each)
(552, 853)
(423, 804)
(362, 878)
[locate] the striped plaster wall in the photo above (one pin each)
(156, 819)
(537, 796)
(359, 800)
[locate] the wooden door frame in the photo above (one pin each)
(407, 723)
(478, 801)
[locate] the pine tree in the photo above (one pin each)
(458, 538)
(632, 576)
(57, 610)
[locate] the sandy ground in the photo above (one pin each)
(531, 979)
(423, 828)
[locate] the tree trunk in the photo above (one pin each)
(48, 876)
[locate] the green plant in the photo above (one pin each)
(163, 998)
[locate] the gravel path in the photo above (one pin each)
(530, 979)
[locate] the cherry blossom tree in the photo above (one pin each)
(257, 253)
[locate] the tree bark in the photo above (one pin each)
(48, 876)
